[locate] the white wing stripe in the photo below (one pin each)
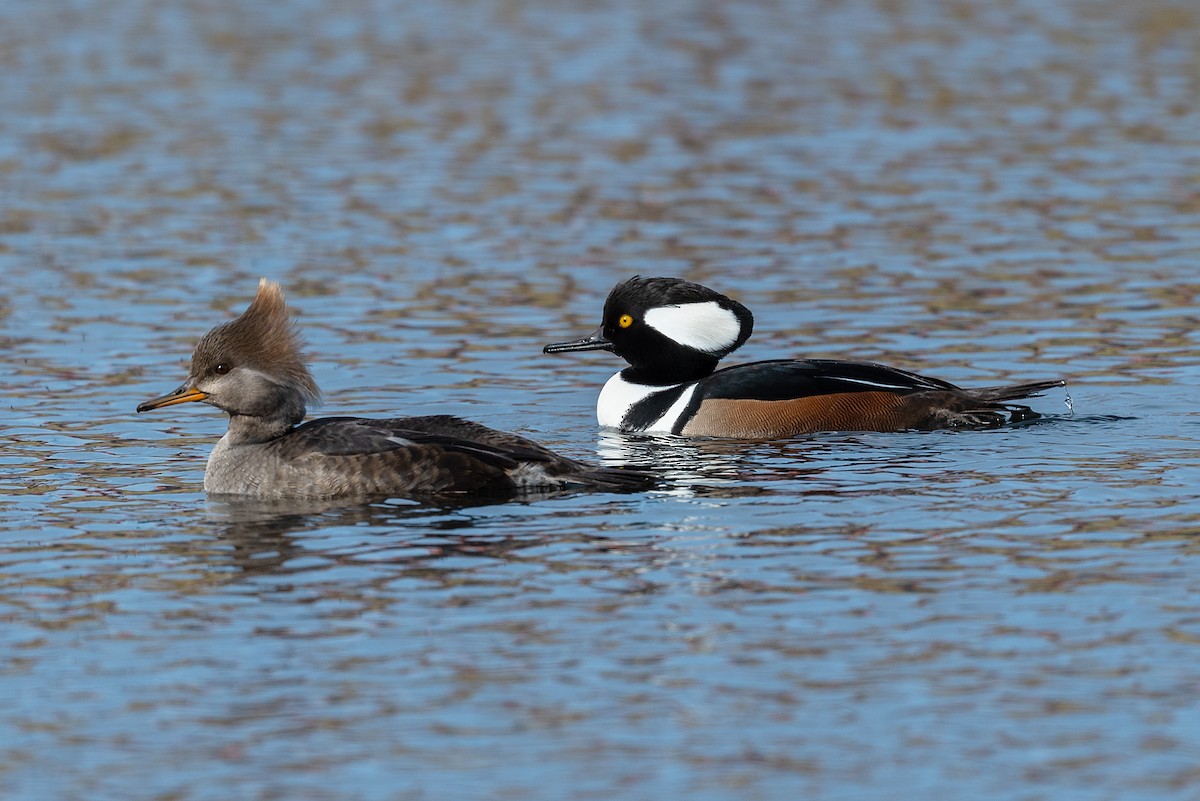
(871, 383)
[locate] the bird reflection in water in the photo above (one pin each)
(270, 536)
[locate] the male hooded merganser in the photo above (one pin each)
(673, 333)
(250, 367)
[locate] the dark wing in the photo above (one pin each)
(357, 436)
(441, 453)
(550, 467)
(448, 427)
(791, 379)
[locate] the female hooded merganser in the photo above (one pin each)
(250, 367)
(673, 333)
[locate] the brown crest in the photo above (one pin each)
(264, 337)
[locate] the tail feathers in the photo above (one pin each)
(617, 479)
(1013, 392)
(568, 474)
(988, 407)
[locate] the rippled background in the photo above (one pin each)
(981, 191)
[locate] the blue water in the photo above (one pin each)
(980, 192)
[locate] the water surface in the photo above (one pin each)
(984, 192)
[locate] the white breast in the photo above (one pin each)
(619, 396)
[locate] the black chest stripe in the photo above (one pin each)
(643, 413)
(689, 411)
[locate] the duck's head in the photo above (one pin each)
(250, 366)
(668, 329)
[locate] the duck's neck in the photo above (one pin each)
(663, 373)
(246, 429)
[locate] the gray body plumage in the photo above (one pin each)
(412, 456)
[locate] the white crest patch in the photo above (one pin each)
(703, 326)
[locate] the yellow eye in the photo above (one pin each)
(624, 321)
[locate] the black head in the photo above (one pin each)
(669, 330)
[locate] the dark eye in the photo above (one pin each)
(221, 369)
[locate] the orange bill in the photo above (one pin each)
(184, 394)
